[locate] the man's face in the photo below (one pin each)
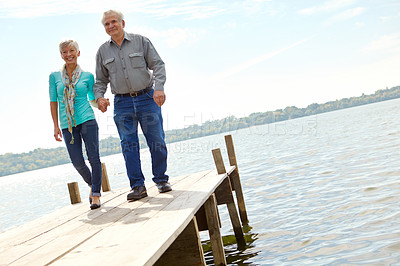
(113, 26)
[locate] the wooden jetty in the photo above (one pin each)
(161, 229)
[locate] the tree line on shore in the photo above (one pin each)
(11, 163)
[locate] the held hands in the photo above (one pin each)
(57, 134)
(103, 104)
(159, 97)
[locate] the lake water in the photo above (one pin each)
(319, 190)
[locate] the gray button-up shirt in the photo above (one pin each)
(128, 67)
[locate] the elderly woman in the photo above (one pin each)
(69, 90)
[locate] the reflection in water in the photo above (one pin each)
(235, 255)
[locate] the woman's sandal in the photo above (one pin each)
(95, 205)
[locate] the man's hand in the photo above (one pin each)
(159, 97)
(103, 104)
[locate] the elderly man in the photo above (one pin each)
(136, 73)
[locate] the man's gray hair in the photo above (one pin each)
(68, 43)
(119, 15)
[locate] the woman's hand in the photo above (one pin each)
(94, 104)
(57, 134)
(54, 116)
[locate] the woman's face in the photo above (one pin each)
(69, 54)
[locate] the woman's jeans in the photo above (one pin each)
(128, 113)
(89, 133)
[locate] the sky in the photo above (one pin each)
(222, 57)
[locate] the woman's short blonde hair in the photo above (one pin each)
(68, 43)
(119, 15)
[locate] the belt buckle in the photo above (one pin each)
(133, 94)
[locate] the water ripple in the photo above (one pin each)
(326, 194)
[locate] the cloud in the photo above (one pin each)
(385, 18)
(255, 7)
(358, 25)
(174, 37)
(192, 9)
(386, 43)
(254, 61)
(38, 8)
(327, 7)
(348, 14)
(158, 8)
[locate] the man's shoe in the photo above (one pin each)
(163, 186)
(137, 193)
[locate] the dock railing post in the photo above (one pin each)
(74, 192)
(213, 228)
(235, 178)
(219, 163)
(105, 184)
(224, 196)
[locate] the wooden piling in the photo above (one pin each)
(74, 192)
(105, 184)
(213, 228)
(224, 196)
(231, 150)
(235, 180)
(219, 163)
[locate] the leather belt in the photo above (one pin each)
(134, 93)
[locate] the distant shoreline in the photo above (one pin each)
(11, 163)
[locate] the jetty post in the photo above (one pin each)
(224, 195)
(213, 228)
(235, 180)
(74, 192)
(105, 184)
(73, 187)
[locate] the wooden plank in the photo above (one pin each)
(49, 237)
(77, 225)
(215, 235)
(42, 225)
(165, 222)
(61, 241)
(57, 241)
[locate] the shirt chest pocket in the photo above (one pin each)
(109, 64)
(137, 60)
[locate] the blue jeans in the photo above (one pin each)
(89, 133)
(128, 113)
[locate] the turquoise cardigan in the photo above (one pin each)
(83, 88)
